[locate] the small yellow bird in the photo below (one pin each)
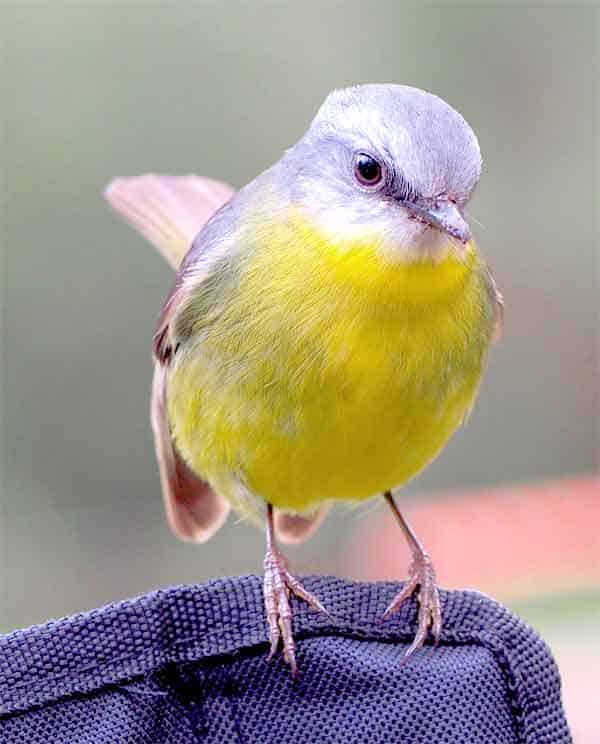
(327, 331)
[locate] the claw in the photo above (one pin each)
(436, 624)
(302, 593)
(278, 584)
(421, 579)
(401, 597)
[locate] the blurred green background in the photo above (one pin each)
(92, 90)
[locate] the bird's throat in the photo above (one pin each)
(310, 257)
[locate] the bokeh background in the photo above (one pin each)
(97, 89)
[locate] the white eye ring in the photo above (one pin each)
(368, 171)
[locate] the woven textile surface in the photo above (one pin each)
(187, 665)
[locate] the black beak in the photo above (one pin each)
(443, 215)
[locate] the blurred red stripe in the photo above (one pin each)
(507, 541)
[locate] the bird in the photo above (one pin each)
(327, 331)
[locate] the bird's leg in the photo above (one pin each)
(421, 578)
(278, 583)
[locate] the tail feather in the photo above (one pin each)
(169, 211)
(296, 528)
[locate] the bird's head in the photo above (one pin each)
(390, 164)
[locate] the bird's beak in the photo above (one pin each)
(444, 216)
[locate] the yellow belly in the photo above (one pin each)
(329, 373)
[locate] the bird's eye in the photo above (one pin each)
(367, 171)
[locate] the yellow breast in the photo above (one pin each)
(330, 372)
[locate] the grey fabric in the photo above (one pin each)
(187, 664)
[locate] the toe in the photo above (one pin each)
(422, 581)
(400, 598)
(274, 637)
(436, 617)
(422, 630)
(297, 588)
(287, 636)
(279, 584)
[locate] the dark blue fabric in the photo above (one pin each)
(187, 664)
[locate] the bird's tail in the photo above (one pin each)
(169, 211)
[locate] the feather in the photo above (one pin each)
(168, 210)
(296, 528)
(194, 511)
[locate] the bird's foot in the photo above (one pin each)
(278, 584)
(421, 578)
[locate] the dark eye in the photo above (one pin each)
(367, 171)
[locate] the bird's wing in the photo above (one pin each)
(295, 528)
(170, 211)
(194, 511)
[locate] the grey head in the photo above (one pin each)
(386, 162)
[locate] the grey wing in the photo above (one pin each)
(169, 211)
(194, 510)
